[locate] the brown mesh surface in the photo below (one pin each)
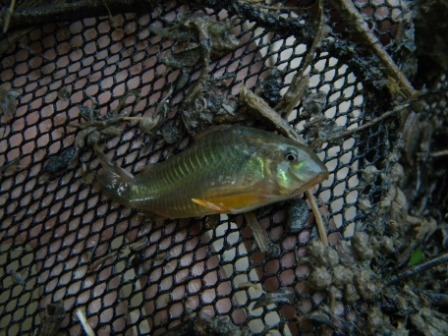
(62, 241)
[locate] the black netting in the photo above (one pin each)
(63, 242)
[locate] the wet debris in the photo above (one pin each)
(11, 166)
(150, 125)
(59, 163)
(64, 93)
(429, 322)
(97, 129)
(318, 128)
(298, 215)
(213, 105)
(367, 275)
(8, 103)
(172, 132)
(197, 40)
(270, 89)
(283, 296)
(261, 109)
(208, 326)
(198, 32)
(299, 84)
(398, 83)
(404, 47)
(261, 236)
(51, 320)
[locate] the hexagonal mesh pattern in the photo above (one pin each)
(63, 241)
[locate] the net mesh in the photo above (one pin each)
(61, 241)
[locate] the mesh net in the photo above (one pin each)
(61, 241)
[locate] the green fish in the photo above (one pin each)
(229, 169)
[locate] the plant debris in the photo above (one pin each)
(206, 326)
(13, 165)
(196, 35)
(52, 318)
(298, 215)
(198, 39)
(284, 296)
(353, 18)
(212, 106)
(58, 164)
(261, 236)
(262, 109)
(271, 87)
(367, 276)
(8, 103)
(97, 129)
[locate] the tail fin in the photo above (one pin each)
(115, 182)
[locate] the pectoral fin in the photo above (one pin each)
(210, 205)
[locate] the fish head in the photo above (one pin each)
(295, 168)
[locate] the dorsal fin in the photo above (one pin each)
(212, 130)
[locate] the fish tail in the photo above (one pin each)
(115, 182)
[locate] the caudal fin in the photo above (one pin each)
(115, 182)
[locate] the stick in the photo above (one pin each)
(299, 84)
(443, 259)
(355, 20)
(318, 217)
(258, 104)
(30, 16)
(260, 235)
(8, 15)
(440, 153)
(83, 320)
(368, 124)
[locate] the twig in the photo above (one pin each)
(357, 23)
(285, 26)
(443, 259)
(84, 323)
(260, 235)
(29, 16)
(108, 10)
(300, 81)
(198, 88)
(369, 124)
(439, 153)
(318, 218)
(435, 298)
(8, 15)
(258, 104)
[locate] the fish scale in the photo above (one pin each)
(227, 170)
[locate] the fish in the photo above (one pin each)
(227, 170)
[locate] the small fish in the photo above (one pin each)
(229, 169)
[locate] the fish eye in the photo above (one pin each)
(291, 157)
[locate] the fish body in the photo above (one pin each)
(227, 170)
